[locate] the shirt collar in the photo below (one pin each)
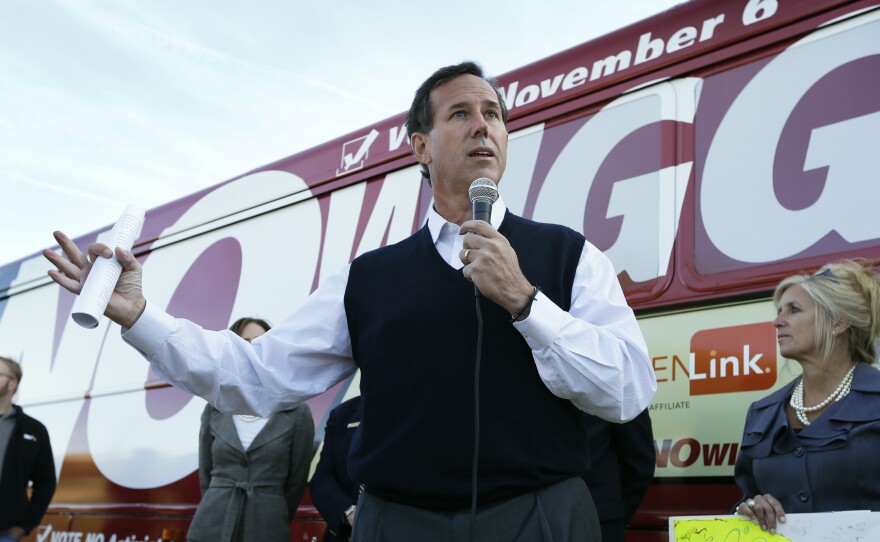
(437, 223)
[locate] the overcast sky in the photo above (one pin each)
(107, 102)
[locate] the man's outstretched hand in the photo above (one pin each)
(127, 302)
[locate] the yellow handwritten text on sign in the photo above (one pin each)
(722, 530)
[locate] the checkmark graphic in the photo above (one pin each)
(349, 159)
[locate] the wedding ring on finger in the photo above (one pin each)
(751, 503)
(467, 251)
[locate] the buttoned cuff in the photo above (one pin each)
(150, 331)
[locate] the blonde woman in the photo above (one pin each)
(812, 445)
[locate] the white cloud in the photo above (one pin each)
(115, 100)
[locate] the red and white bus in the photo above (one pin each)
(709, 151)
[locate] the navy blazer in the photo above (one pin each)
(622, 460)
(829, 465)
(332, 490)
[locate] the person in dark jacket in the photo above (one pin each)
(25, 457)
(333, 491)
(622, 460)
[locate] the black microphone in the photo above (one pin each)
(483, 193)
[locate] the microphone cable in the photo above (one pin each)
(477, 297)
(483, 193)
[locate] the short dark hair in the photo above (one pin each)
(238, 326)
(420, 118)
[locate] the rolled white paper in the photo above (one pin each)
(92, 300)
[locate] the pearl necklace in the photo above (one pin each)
(248, 417)
(797, 397)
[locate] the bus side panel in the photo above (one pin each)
(752, 163)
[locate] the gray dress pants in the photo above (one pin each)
(562, 512)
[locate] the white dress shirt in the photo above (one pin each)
(593, 355)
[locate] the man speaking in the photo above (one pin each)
(553, 334)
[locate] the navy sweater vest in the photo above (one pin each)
(413, 327)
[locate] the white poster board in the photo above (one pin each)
(855, 526)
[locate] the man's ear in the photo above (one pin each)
(419, 143)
